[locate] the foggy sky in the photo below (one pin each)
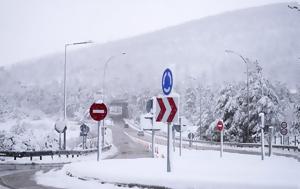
(33, 28)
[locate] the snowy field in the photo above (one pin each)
(194, 169)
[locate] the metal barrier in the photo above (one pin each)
(31, 154)
(235, 144)
(247, 145)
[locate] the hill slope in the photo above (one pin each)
(269, 34)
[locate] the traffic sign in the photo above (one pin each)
(84, 129)
(167, 81)
(166, 109)
(98, 111)
(191, 136)
(220, 125)
(60, 126)
(283, 125)
(283, 131)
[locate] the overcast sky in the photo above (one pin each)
(34, 28)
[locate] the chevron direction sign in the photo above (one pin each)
(166, 109)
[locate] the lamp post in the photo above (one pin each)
(247, 70)
(65, 86)
(103, 86)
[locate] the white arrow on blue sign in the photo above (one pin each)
(167, 81)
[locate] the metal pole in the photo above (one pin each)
(65, 78)
(221, 146)
(153, 133)
(65, 139)
(65, 96)
(102, 134)
(103, 87)
(262, 117)
(173, 138)
(237, 54)
(169, 148)
(65, 86)
(82, 142)
(99, 146)
(200, 116)
(270, 140)
(180, 142)
(59, 141)
(262, 145)
(247, 135)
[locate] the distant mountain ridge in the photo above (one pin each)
(269, 34)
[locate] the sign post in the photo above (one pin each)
(60, 127)
(98, 112)
(180, 128)
(220, 127)
(166, 110)
(262, 125)
(149, 108)
(270, 140)
(84, 129)
(191, 136)
(283, 130)
(180, 137)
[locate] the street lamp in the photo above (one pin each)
(65, 78)
(103, 86)
(247, 69)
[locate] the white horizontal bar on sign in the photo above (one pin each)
(98, 111)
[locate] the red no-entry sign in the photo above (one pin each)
(98, 111)
(220, 125)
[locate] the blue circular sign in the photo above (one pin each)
(167, 81)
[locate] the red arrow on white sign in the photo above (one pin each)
(166, 109)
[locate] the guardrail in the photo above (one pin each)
(31, 154)
(247, 145)
(234, 144)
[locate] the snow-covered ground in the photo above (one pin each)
(63, 159)
(194, 169)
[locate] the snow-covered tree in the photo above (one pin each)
(189, 104)
(239, 108)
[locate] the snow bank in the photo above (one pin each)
(195, 169)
